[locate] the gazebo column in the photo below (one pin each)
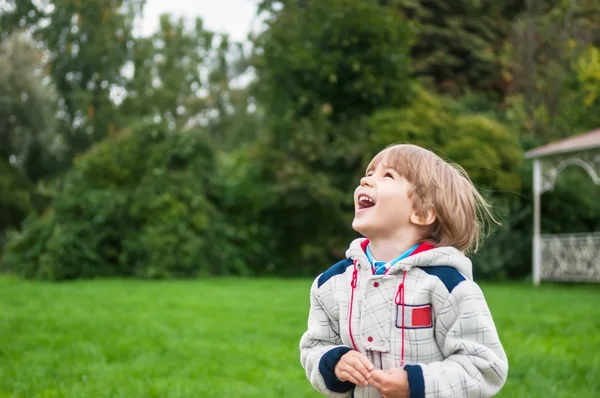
(537, 239)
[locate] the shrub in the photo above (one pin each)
(136, 205)
(487, 150)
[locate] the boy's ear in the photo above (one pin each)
(424, 218)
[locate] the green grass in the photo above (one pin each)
(239, 338)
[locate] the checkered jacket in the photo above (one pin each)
(425, 315)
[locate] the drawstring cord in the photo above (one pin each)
(399, 300)
(353, 285)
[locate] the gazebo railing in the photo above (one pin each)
(570, 257)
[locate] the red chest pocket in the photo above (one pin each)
(415, 316)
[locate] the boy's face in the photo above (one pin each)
(382, 206)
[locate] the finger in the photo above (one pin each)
(397, 374)
(357, 364)
(377, 385)
(353, 376)
(365, 361)
(345, 376)
(378, 379)
(360, 375)
(379, 376)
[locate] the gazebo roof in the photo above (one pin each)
(579, 142)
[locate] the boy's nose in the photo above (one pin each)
(367, 180)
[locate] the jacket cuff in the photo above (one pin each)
(416, 382)
(327, 369)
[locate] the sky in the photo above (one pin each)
(235, 17)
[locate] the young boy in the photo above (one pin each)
(401, 315)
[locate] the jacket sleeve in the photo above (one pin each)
(475, 363)
(321, 348)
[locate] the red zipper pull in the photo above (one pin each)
(354, 277)
(398, 298)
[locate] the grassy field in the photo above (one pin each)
(239, 338)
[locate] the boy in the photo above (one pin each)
(401, 315)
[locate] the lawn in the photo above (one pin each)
(239, 338)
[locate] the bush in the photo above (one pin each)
(488, 151)
(16, 193)
(137, 205)
(290, 219)
(18, 198)
(295, 214)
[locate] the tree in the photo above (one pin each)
(29, 145)
(321, 69)
(344, 58)
(545, 59)
(183, 77)
(486, 149)
(458, 43)
(87, 43)
(28, 139)
(17, 198)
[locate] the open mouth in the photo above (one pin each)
(365, 202)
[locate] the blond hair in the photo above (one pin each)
(462, 213)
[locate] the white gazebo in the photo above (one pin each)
(564, 257)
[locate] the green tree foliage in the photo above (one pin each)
(88, 43)
(549, 69)
(322, 68)
(341, 57)
(489, 152)
(27, 105)
(17, 197)
(458, 43)
(136, 205)
(166, 73)
(547, 64)
(482, 146)
(294, 218)
(290, 193)
(28, 149)
(219, 178)
(183, 76)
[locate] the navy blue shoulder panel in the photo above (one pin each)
(449, 276)
(336, 269)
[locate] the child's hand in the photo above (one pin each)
(355, 368)
(391, 384)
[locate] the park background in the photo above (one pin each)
(168, 190)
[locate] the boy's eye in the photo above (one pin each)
(388, 174)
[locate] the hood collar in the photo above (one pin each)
(438, 256)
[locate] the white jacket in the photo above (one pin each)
(425, 315)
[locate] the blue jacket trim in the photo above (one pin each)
(336, 269)
(449, 276)
(327, 369)
(416, 383)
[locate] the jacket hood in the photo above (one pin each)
(438, 256)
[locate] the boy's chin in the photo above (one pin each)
(361, 227)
